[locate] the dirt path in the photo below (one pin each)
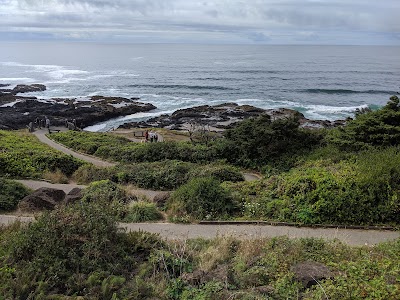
(41, 135)
(171, 231)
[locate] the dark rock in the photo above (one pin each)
(310, 272)
(42, 199)
(224, 116)
(25, 88)
(161, 198)
(73, 196)
(199, 277)
(96, 109)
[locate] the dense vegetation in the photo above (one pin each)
(348, 175)
(11, 192)
(22, 155)
(78, 251)
(165, 175)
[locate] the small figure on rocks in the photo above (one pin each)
(146, 135)
(47, 122)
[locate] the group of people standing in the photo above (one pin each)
(39, 123)
(151, 136)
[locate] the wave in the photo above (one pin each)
(345, 91)
(18, 79)
(183, 86)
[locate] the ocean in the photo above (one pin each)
(322, 82)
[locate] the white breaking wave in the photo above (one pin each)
(18, 79)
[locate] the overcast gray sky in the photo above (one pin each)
(356, 22)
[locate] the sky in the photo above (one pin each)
(343, 22)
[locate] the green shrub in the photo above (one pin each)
(142, 212)
(22, 155)
(373, 128)
(261, 140)
(201, 198)
(362, 190)
(109, 195)
(219, 172)
(11, 192)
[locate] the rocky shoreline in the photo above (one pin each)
(17, 111)
(224, 116)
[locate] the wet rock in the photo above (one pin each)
(25, 88)
(41, 199)
(309, 273)
(73, 196)
(94, 110)
(224, 116)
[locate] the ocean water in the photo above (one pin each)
(322, 82)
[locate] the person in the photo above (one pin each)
(47, 120)
(155, 137)
(146, 135)
(37, 123)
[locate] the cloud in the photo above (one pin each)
(251, 21)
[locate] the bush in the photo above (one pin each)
(362, 190)
(261, 140)
(22, 155)
(220, 172)
(201, 198)
(109, 195)
(75, 251)
(373, 128)
(11, 192)
(142, 212)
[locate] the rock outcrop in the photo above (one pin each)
(17, 111)
(73, 196)
(41, 199)
(223, 116)
(310, 273)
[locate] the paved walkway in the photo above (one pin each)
(171, 231)
(41, 135)
(37, 184)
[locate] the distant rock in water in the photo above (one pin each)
(17, 111)
(223, 116)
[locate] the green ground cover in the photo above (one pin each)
(78, 252)
(22, 155)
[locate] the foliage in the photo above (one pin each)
(142, 212)
(78, 251)
(119, 149)
(372, 128)
(11, 192)
(22, 155)
(201, 198)
(109, 195)
(74, 250)
(165, 175)
(259, 140)
(220, 172)
(362, 190)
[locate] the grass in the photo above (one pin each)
(23, 155)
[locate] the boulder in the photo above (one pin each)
(161, 198)
(309, 273)
(42, 199)
(73, 196)
(25, 88)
